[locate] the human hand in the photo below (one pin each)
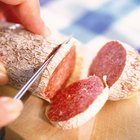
(9, 108)
(26, 12)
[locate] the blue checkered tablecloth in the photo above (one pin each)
(87, 20)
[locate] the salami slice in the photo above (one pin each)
(23, 53)
(77, 103)
(121, 64)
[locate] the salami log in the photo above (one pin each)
(23, 53)
(77, 103)
(121, 64)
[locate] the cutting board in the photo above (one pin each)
(117, 120)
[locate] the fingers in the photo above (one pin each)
(10, 109)
(29, 14)
(5, 9)
(12, 2)
(3, 75)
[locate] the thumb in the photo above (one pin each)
(10, 109)
(3, 75)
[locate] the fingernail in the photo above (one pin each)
(3, 75)
(3, 78)
(13, 107)
(46, 32)
(2, 68)
(45, 29)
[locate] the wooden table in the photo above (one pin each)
(116, 121)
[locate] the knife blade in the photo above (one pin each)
(23, 90)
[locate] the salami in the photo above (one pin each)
(77, 103)
(23, 53)
(121, 64)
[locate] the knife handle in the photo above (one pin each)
(2, 133)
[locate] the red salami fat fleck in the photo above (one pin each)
(121, 64)
(75, 100)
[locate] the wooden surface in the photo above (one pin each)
(116, 121)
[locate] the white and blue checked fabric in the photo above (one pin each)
(88, 20)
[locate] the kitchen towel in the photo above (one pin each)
(89, 20)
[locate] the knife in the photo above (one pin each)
(24, 89)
